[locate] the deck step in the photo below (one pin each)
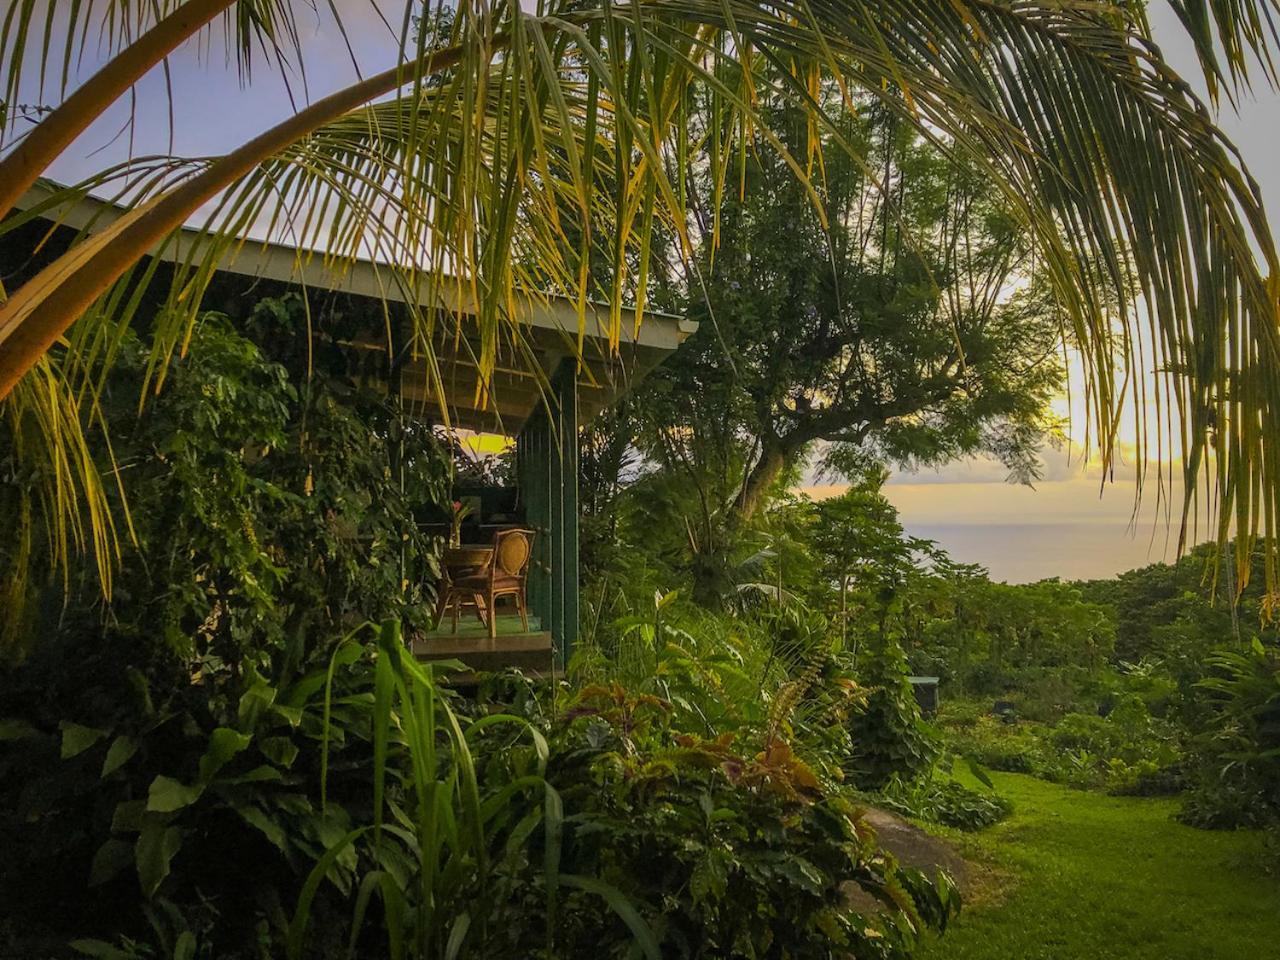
(530, 652)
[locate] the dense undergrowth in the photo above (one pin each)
(345, 804)
(223, 759)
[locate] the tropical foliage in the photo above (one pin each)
(273, 497)
(210, 706)
(370, 814)
(1149, 684)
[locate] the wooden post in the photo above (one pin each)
(534, 465)
(547, 462)
(567, 451)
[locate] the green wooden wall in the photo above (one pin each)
(547, 468)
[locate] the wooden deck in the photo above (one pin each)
(529, 650)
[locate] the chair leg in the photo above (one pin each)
(442, 607)
(481, 610)
(456, 603)
(524, 611)
(493, 617)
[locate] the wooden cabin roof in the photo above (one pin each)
(547, 332)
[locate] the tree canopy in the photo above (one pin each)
(901, 321)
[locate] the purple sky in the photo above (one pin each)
(1065, 527)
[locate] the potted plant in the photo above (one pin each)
(460, 512)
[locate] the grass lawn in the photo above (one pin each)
(1083, 876)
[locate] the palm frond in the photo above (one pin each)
(42, 43)
(1230, 36)
(516, 122)
(62, 497)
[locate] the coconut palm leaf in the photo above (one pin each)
(514, 121)
(42, 42)
(1227, 35)
(137, 36)
(59, 489)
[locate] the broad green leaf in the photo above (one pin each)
(281, 750)
(122, 748)
(289, 714)
(256, 818)
(112, 857)
(76, 739)
(184, 948)
(224, 744)
(254, 703)
(457, 936)
(154, 852)
(167, 795)
(709, 878)
(129, 816)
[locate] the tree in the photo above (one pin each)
(1177, 611)
(477, 140)
(866, 554)
(879, 325)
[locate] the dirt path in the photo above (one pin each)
(914, 847)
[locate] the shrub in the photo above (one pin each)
(263, 501)
(243, 814)
(1007, 747)
(945, 801)
(888, 736)
(1128, 751)
(1236, 758)
(727, 851)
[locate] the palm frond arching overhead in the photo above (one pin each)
(42, 42)
(60, 489)
(1227, 35)
(140, 36)
(1108, 159)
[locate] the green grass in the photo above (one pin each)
(1082, 876)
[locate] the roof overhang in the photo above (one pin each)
(547, 330)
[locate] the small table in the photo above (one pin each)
(467, 559)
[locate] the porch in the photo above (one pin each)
(529, 650)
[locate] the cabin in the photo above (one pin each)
(552, 376)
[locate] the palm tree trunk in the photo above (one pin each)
(43, 145)
(42, 309)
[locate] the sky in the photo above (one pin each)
(1069, 525)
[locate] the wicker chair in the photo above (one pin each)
(505, 575)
